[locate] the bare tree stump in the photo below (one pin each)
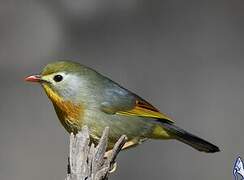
(87, 162)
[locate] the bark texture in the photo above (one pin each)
(87, 162)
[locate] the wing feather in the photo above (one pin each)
(144, 109)
(118, 100)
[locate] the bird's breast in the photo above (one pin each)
(70, 114)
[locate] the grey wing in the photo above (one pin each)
(117, 99)
(121, 101)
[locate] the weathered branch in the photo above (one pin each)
(87, 162)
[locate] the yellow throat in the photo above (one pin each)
(69, 114)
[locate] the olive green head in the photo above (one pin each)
(67, 79)
(63, 66)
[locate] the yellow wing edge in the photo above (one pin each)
(143, 112)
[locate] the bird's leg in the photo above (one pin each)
(109, 153)
(129, 144)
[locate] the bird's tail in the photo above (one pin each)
(190, 139)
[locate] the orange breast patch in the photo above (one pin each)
(70, 114)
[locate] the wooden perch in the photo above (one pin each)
(87, 162)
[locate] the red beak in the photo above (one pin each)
(33, 78)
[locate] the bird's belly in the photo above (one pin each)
(135, 128)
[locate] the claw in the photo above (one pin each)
(113, 168)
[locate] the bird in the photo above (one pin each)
(81, 96)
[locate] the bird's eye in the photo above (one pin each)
(58, 78)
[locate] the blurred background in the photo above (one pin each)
(185, 57)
